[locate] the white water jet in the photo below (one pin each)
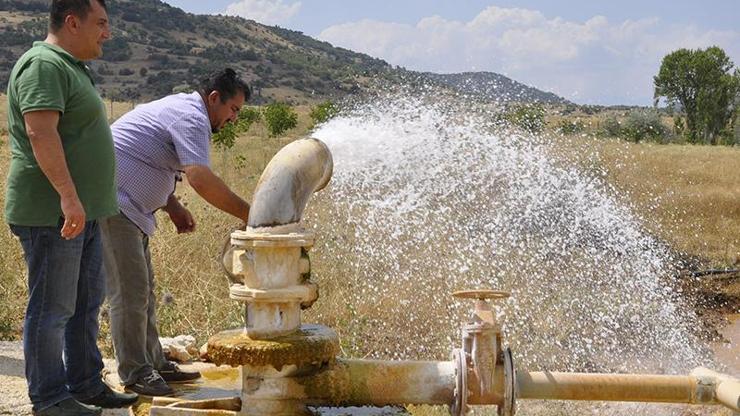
(431, 195)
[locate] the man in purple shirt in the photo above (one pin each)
(154, 144)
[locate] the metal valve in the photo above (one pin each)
(481, 360)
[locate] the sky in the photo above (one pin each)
(588, 51)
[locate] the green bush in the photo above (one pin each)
(280, 117)
(529, 117)
(323, 112)
(570, 127)
(644, 125)
(226, 137)
(610, 127)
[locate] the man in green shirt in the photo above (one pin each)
(61, 182)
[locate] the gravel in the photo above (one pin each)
(13, 390)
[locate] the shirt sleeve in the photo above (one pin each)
(192, 141)
(41, 86)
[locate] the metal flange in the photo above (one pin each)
(459, 406)
(508, 408)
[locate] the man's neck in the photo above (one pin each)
(60, 41)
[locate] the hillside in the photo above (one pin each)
(157, 48)
(495, 87)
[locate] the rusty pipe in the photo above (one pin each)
(612, 387)
(379, 383)
(294, 173)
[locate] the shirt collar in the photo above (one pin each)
(201, 103)
(61, 51)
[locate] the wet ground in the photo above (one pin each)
(727, 350)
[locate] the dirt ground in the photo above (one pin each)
(14, 398)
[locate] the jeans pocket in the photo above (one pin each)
(24, 236)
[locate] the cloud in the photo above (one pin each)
(269, 12)
(595, 61)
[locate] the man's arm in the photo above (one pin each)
(41, 127)
(211, 188)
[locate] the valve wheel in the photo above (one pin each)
(481, 294)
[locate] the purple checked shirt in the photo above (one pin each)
(153, 142)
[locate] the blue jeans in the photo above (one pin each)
(66, 287)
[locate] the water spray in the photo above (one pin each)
(287, 366)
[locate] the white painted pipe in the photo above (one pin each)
(727, 390)
(294, 173)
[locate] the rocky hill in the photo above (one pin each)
(495, 87)
(157, 48)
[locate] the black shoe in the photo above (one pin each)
(151, 385)
(70, 407)
(111, 399)
(171, 373)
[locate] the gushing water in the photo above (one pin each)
(431, 195)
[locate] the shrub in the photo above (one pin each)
(529, 117)
(610, 127)
(125, 72)
(323, 112)
(570, 127)
(279, 117)
(644, 125)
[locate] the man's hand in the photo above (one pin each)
(183, 220)
(180, 216)
(74, 217)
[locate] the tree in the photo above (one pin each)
(703, 84)
(226, 137)
(279, 117)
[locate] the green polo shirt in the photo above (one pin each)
(47, 77)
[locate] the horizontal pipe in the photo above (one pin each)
(381, 383)
(607, 387)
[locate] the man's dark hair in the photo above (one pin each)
(60, 9)
(227, 83)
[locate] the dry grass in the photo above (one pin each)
(692, 192)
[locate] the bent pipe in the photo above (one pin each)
(294, 173)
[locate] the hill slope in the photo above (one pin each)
(157, 47)
(495, 87)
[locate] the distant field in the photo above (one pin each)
(691, 192)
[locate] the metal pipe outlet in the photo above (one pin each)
(294, 173)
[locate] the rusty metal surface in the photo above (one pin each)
(381, 383)
(605, 387)
(310, 344)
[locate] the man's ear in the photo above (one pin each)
(213, 97)
(72, 22)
